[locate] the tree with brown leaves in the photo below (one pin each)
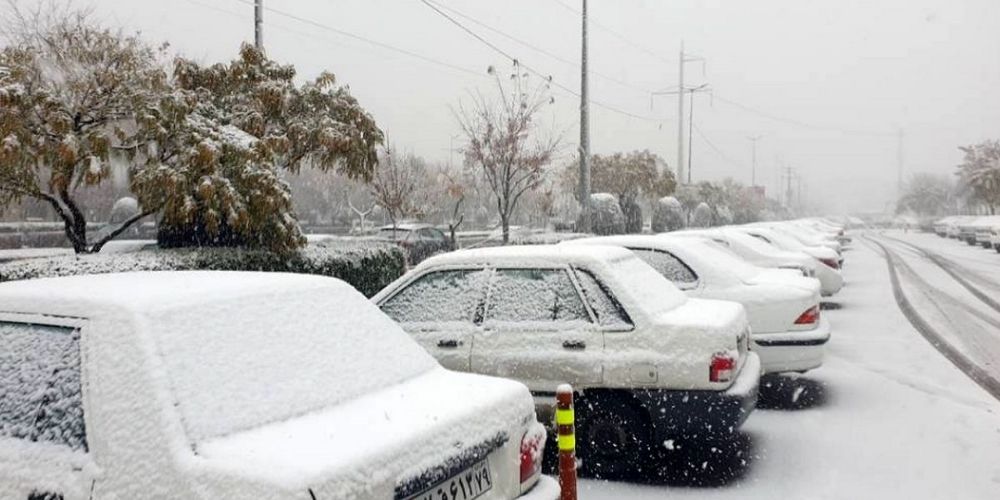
(503, 143)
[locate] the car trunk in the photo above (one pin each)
(389, 444)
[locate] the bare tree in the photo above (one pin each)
(503, 143)
(397, 185)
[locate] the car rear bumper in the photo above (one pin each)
(703, 414)
(547, 488)
(792, 351)
(830, 280)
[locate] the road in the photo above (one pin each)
(887, 416)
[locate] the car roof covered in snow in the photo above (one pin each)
(407, 226)
(142, 292)
(534, 254)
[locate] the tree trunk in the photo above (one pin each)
(505, 225)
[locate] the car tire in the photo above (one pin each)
(613, 436)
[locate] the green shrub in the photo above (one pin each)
(368, 266)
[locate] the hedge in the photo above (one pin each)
(368, 266)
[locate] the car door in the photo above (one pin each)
(536, 329)
(672, 268)
(439, 309)
(43, 440)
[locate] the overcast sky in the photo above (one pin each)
(827, 83)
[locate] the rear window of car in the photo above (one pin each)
(608, 310)
(646, 287)
(40, 384)
(439, 296)
(667, 265)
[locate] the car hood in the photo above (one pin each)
(366, 447)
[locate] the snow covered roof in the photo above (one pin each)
(142, 292)
(543, 254)
(406, 226)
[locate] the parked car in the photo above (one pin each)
(995, 237)
(756, 251)
(650, 363)
(806, 236)
(786, 329)
(828, 270)
(209, 385)
(941, 225)
(418, 240)
(983, 229)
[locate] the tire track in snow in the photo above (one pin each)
(952, 269)
(986, 380)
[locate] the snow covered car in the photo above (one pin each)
(983, 230)
(806, 236)
(650, 363)
(995, 237)
(756, 251)
(209, 385)
(419, 241)
(828, 273)
(786, 329)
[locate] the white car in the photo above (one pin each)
(828, 272)
(806, 236)
(756, 251)
(651, 364)
(210, 385)
(786, 329)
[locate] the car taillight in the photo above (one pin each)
(831, 263)
(810, 317)
(532, 446)
(722, 368)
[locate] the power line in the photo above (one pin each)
(716, 148)
(507, 55)
(618, 35)
(365, 39)
(799, 123)
(540, 50)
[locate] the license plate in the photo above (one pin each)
(466, 485)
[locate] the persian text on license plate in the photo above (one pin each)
(466, 485)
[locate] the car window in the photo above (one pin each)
(608, 310)
(666, 264)
(451, 295)
(40, 384)
(535, 295)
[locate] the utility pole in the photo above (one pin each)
(753, 169)
(899, 162)
(680, 117)
(258, 24)
(788, 189)
(690, 135)
(584, 131)
(681, 89)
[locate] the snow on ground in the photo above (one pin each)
(886, 417)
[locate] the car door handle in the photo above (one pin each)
(574, 344)
(449, 343)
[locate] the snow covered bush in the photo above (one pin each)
(702, 216)
(668, 215)
(606, 215)
(368, 266)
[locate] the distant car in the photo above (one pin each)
(786, 329)
(941, 225)
(650, 363)
(983, 229)
(756, 251)
(828, 272)
(418, 240)
(995, 237)
(211, 385)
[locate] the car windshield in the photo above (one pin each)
(720, 257)
(239, 364)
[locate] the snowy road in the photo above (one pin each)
(886, 417)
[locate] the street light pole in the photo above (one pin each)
(753, 169)
(584, 131)
(258, 24)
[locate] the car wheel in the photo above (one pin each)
(613, 437)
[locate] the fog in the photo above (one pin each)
(826, 84)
